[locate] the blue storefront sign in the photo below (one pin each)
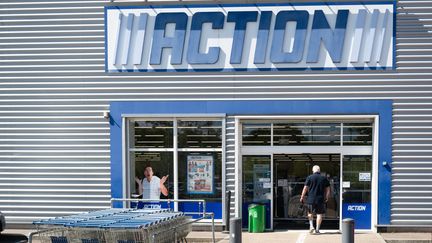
(360, 212)
(259, 37)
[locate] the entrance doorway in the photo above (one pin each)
(278, 155)
(290, 173)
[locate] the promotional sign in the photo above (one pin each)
(200, 174)
(360, 212)
(245, 37)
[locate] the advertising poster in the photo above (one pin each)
(200, 174)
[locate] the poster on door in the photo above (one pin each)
(200, 174)
(262, 183)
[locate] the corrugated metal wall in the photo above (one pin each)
(54, 141)
(230, 172)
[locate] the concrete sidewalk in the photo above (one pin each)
(291, 236)
(407, 237)
(302, 237)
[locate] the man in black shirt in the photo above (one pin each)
(318, 189)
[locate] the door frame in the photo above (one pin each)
(342, 150)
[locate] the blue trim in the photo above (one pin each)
(249, 5)
(246, 69)
(383, 108)
(211, 206)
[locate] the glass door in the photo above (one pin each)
(356, 190)
(287, 149)
(290, 173)
(257, 185)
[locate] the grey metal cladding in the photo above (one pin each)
(54, 141)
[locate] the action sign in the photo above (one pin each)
(259, 37)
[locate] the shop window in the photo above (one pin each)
(200, 177)
(357, 134)
(151, 144)
(199, 134)
(161, 164)
(152, 134)
(307, 134)
(255, 134)
(299, 134)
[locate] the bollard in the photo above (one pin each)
(227, 212)
(348, 231)
(235, 230)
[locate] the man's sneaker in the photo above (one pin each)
(317, 232)
(311, 230)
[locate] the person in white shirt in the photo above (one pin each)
(151, 186)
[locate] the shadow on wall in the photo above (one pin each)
(413, 28)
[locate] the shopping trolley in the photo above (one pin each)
(130, 232)
(180, 230)
(89, 231)
(120, 225)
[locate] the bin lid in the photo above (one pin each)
(253, 205)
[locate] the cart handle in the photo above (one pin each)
(200, 201)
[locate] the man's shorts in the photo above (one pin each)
(316, 208)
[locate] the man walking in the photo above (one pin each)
(318, 189)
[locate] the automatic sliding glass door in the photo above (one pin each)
(356, 192)
(257, 185)
(290, 172)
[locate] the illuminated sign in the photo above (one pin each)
(261, 37)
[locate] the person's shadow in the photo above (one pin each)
(13, 238)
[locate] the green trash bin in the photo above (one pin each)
(256, 218)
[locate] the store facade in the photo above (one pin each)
(274, 155)
(341, 139)
(219, 97)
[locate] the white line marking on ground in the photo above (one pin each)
(301, 238)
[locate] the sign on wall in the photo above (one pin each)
(259, 37)
(200, 174)
(360, 212)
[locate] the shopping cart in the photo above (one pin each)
(119, 225)
(89, 231)
(148, 228)
(130, 232)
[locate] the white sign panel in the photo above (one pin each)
(346, 184)
(259, 37)
(364, 176)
